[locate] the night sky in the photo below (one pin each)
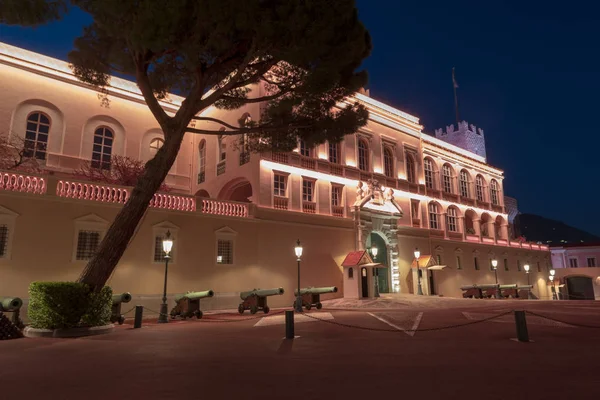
(528, 75)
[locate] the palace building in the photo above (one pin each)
(235, 216)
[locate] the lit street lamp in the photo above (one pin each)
(417, 255)
(526, 267)
(554, 295)
(298, 250)
(495, 268)
(167, 245)
(374, 251)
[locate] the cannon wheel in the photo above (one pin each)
(319, 306)
(308, 306)
(121, 320)
(266, 309)
(253, 309)
(199, 314)
(241, 309)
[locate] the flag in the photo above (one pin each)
(454, 80)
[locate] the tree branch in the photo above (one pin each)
(239, 131)
(146, 89)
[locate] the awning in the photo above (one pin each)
(373, 265)
(437, 267)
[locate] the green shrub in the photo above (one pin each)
(60, 305)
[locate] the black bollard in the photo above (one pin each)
(139, 313)
(289, 324)
(521, 322)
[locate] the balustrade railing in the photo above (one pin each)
(337, 211)
(14, 182)
(91, 191)
(309, 207)
(226, 208)
(173, 202)
(280, 203)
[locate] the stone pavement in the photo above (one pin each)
(356, 354)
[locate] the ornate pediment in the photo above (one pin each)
(376, 198)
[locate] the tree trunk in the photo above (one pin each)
(99, 269)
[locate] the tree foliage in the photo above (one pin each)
(31, 12)
(16, 155)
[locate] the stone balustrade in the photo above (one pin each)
(15, 182)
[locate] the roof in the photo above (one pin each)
(572, 245)
(355, 258)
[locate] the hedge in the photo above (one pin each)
(62, 305)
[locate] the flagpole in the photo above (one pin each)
(455, 85)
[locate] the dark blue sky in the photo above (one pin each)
(528, 76)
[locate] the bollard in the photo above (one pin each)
(521, 322)
(139, 312)
(289, 324)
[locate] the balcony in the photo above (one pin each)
(15, 182)
(472, 238)
(497, 208)
(201, 177)
(309, 207)
(416, 223)
(280, 157)
(308, 163)
(337, 211)
(437, 233)
(221, 168)
(455, 235)
(280, 203)
(450, 197)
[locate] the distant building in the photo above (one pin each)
(512, 210)
(576, 255)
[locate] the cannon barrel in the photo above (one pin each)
(10, 303)
(476, 286)
(525, 287)
(316, 290)
(122, 298)
(261, 293)
(510, 286)
(194, 295)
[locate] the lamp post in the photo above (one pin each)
(495, 268)
(526, 267)
(167, 245)
(417, 255)
(554, 295)
(298, 250)
(374, 251)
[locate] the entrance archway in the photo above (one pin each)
(580, 287)
(238, 189)
(383, 279)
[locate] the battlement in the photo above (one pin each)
(467, 137)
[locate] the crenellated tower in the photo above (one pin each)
(467, 137)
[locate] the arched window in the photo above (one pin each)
(410, 169)
(334, 153)
(155, 145)
(494, 192)
(452, 219)
(388, 162)
(222, 148)
(36, 136)
(363, 155)
(102, 149)
(434, 222)
(464, 183)
(429, 178)
(202, 161)
(304, 149)
(479, 188)
(447, 178)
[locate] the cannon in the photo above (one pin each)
(256, 299)
(509, 291)
(117, 300)
(312, 296)
(471, 292)
(13, 305)
(524, 291)
(188, 304)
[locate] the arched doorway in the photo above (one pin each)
(202, 193)
(580, 287)
(238, 189)
(383, 279)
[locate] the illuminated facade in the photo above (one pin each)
(235, 216)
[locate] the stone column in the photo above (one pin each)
(477, 227)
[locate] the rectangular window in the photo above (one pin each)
(87, 244)
(539, 267)
(3, 240)
(439, 259)
(414, 208)
(476, 262)
(224, 251)
(573, 263)
(222, 148)
(334, 153)
(518, 265)
(336, 196)
(159, 254)
(307, 190)
(458, 263)
(279, 185)
(591, 262)
(506, 264)
(304, 149)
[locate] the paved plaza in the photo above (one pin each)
(342, 352)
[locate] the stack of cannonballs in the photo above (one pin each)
(8, 330)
